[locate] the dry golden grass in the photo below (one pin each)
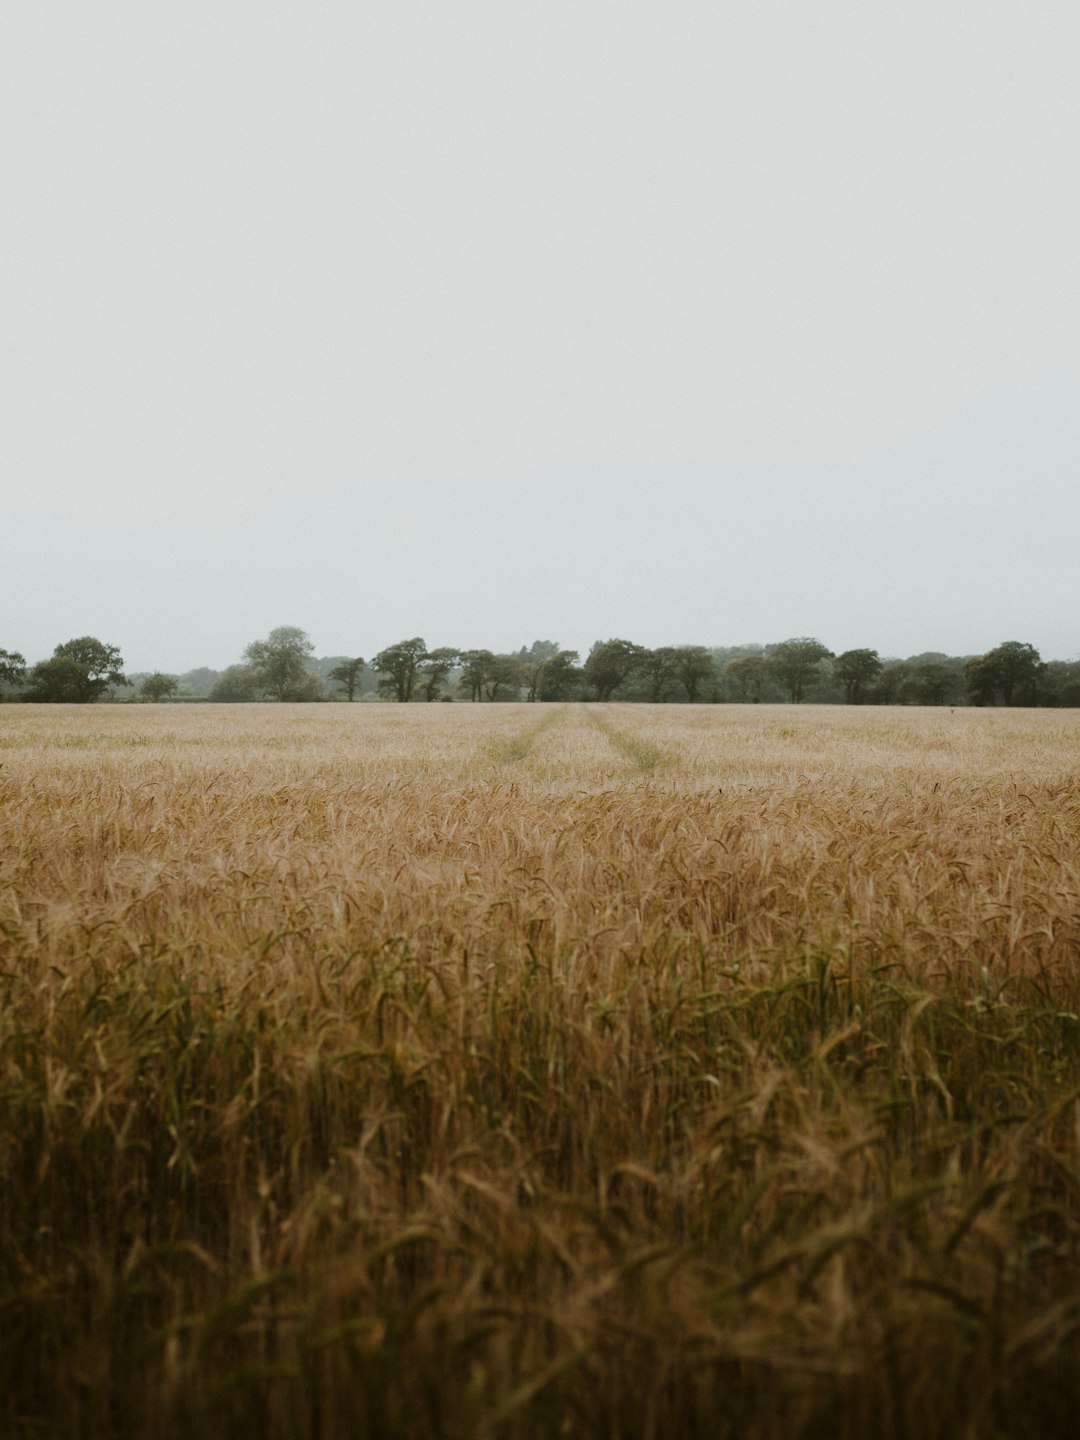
(519, 1071)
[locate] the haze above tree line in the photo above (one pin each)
(283, 667)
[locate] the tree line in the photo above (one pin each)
(283, 667)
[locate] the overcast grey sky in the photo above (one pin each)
(684, 322)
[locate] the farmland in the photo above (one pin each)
(515, 1071)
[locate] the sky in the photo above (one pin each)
(488, 322)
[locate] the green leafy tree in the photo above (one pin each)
(503, 680)
(198, 682)
(398, 665)
(932, 683)
(532, 664)
(796, 664)
(159, 686)
(980, 681)
(657, 670)
(693, 665)
(435, 667)
(749, 674)
(279, 660)
(347, 674)
(856, 670)
(894, 684)
(561, 677)
(238, 684)
(1061, 683)
(610, 664)
(79, 672)
(487, 676)
(1011, 671)
(474, 669)
(12, 668)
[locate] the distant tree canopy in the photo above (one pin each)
(657, 671)
(610, 663)
(159, 686)
(533, 666)
(283, 667)
(279, 663)
(434, 669)
(749, 673)
(693, 666)
(856, 670)
(487, 676)
(236, 684)
(560, 677)
(1011, 672)
(79, 672)
(12, 667)
(398, 666)
(347, 674)
(796, 663)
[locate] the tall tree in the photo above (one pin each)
(503, 679)
(693, 665)
(657, 669)
(611, 663)
(12, 667)
(856, 670)
(895, 683)
(532, 664)
(347, 674)
(474, 669)
(79, 672)
(1060, 684)
(487, 676)
(749, 672)
(435, 667)
(796, 662)
(1011, 670)
(398, 665)
(279, 662)
(560, 678)
(932, 682)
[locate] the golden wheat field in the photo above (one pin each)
(519, 1071)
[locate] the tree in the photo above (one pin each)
(435, 667)
(560, 677)
(347, 674)
(693, 664)
(198, 682)
(279, 663)
(795, 663)
(503, 679)
(894, 682)
(932, 683)
(158, 686)
(856, 669)
(749, 672)
(610, 664)
(532, 664)
(398, 665)
(239, 684)
(78, 673)
(12, 667)
(1011, 670)
(1061, 683)
(474, 668)
(486, 676)
(657, 669)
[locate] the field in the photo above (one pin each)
(514, 1071)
